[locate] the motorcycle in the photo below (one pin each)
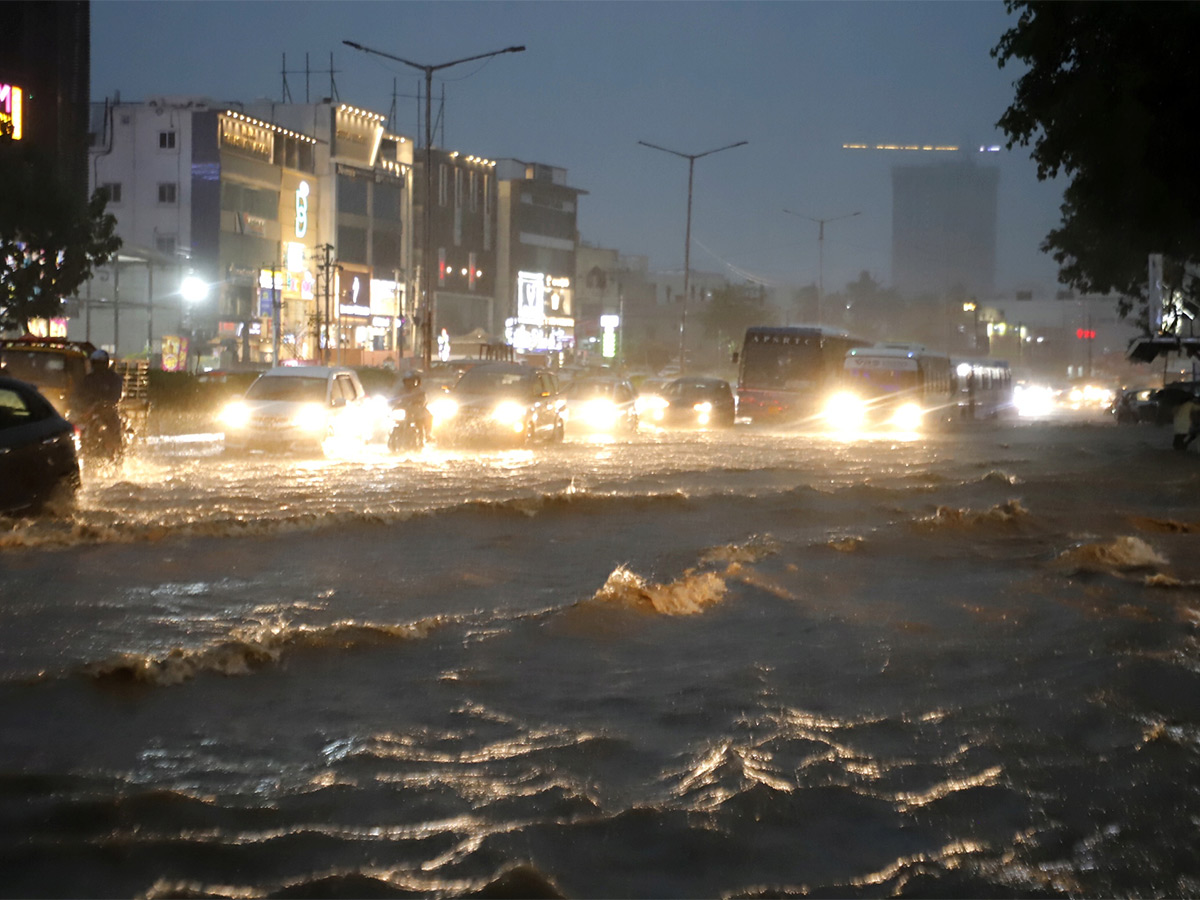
(410, 423)
(101, 436)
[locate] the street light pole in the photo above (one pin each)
(821, 252)
(427, 305)
(687, 241)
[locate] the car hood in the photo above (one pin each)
(279, 407)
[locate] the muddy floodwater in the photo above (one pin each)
(720, 664)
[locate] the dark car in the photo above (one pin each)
(39, 462)
(601, 404)
(500, 402)
(693, 402)
(1135, 406)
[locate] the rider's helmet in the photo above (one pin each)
(412, 380)
(99, 359)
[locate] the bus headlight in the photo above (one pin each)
(907, 417)
(845, 411)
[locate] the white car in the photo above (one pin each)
(298, 408)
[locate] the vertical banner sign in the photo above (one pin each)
(441, 266)
(471, 271)
(11, 112)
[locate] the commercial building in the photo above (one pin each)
(293, 225)
(537, 214)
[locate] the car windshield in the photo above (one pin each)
(501, 382)
(691, 391)
(280, 387)
(587, 390)
(39, 367)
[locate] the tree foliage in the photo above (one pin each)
(50, 237)
(734, 308)
(1109, 100)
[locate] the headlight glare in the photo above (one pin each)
(235, 415)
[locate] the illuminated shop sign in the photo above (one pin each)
(302, 209)
(12, 116)
(355, 298)
(531, 298)
(609, 325)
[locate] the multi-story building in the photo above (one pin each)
(462, 257)
(536, 246)
(295, 224)
(363, 262)
(944, 229)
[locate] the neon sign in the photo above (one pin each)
(12, 118)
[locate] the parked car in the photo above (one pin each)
(298, 408)
(503, 402)
(693, 402)
(601, 404)
(39, 459)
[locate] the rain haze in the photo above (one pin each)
(796, 81)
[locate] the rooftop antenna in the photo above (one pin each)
(287, 94)
(333, 91)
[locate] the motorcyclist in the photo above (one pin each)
(410, 397)
(95, 401)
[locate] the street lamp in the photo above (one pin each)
(192, 290)
(426, 305)
(687, 241)
(821, 251)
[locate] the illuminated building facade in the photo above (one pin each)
(363, 260)
(45, 80)
(537, 216)
(944, 228)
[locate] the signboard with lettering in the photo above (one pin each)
(12, 111)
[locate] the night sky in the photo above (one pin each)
(796, 80)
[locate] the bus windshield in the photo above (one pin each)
(880, 381)
(792, 366)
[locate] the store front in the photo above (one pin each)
(544, 323)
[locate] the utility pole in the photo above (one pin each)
(687, 241)
(426, 249)
(821, 253)
(326, 268)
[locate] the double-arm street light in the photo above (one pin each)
(687, 241)
(426, 255)
(821, 252)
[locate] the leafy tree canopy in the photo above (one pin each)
(50, 237)
(1109, 100)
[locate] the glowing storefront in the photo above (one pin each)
(544, 322)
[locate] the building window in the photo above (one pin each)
(442, 184)
(473, 192)
(487, 198)
(165, 244)
(458, 186)
(166, 192)
(166, 140)
(114, 191)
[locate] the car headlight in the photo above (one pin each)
(398, 414)
(510, 415)
(309, 417)
(845, 411)
(443, 409)
(235, 415)
(907, 417)
(599, 413)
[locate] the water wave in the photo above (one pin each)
(249, 649)
(1006, 513)
(689, 595)
(1125, 553)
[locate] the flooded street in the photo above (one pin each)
(735, 663)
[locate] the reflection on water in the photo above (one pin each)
(735, 664)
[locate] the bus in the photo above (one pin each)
(893, 386)
(983, 388)
(785, 373)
